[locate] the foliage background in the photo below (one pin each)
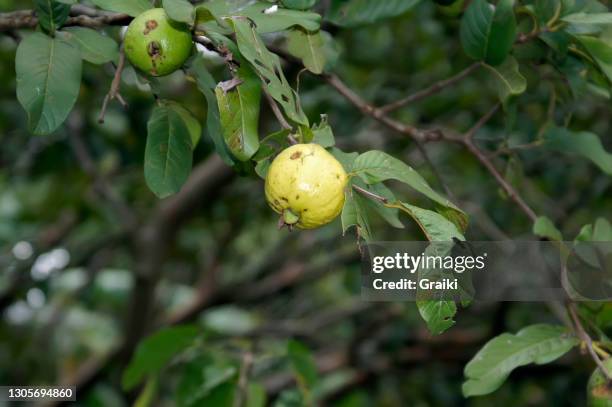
(77, 297)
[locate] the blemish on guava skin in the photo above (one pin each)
(284, 199)
(297, 197)
(150, 26)
(296, 155)
(154, 49)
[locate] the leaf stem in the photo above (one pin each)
(370, 194)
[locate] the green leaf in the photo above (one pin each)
(155, 351)
(181, 11)
(600, 51)
(308, 47)
(48, 80)
(352, 13)
(346, 159)
(303, 364)
(438, 315)
(193, 125)
(546, 9)
(299, 4)
(537, 344)
(545, 227)
(239, 113)
(435, 226)
(266, 17)
(95, 47)
(376, 166)
(508, 78)
(488, 32)
(147, 396)
(168, 153)
(583, 143)
(354, 213)
(323, 133)
(207, 382)
(269, 68)
(206, 84)
(586, 18)
(390, 215)
(256, 396)
(51, 14)
(129, 7)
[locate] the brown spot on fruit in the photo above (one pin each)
(297, 197)
(154, 49)
(284, 199)
(150, 25)
(296, 155)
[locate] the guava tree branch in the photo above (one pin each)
(586, 339)
(81, 16)
(113, 93)
(420, 135)
(430, 90)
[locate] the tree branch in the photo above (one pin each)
(86, 17)
(430, 90)
(113, 93)
(582, 333)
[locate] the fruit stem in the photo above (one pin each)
(289, 217)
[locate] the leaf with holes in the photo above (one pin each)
(267, 17)
(239, 113)
(48, 80)
(168, 152)
(268, 66)
(95, 47)
(51, 14)
(488, 32)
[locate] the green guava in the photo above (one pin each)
(156, 45)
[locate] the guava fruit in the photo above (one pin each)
(305, 185)
(156, 45)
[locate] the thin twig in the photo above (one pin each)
(587, 339)
(243, 380)
(370, 195)
(113, 93)
(279, 115)
(431, 90)
(469, 135)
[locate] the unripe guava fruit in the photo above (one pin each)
(599, 390)
(156, 45)
(305, 185)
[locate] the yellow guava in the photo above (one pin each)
(305, 184)
(599, 390)
(157, 45)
